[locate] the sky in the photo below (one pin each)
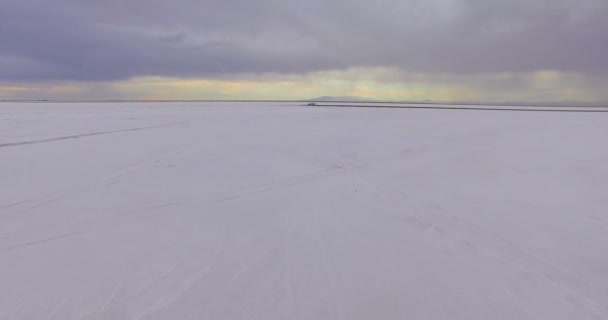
(392, 50)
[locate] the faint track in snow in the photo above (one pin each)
(172, 296)
(29, 244)
(277, 185)
(296, 180)
(327, 267)
(140, 169)
(111, 298)
(179, 290)
(255, 260)
(549, 271)
(293, 303)
(14, 204)
(60, 305)
(77, 136)
(462, 231)
(130, 172)
(136, 211)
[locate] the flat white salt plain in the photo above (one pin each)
(278, 211)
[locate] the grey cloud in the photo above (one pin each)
(112, 39)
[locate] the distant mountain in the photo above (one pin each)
(342, 99)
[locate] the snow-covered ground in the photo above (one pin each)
(278, 211)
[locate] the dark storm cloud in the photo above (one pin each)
(111, 40)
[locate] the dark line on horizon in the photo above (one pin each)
(461, 108)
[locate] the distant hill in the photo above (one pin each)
(342, 99)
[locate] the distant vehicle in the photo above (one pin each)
(311, 104)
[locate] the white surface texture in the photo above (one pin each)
(278, 211)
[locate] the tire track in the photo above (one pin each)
(29, 244)
(77, 136)
(277, 185)
(130, 172)
(14, 204)
(134, 215)
(180, 289)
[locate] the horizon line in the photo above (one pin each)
(505, 103)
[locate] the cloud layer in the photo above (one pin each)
(121, 39)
